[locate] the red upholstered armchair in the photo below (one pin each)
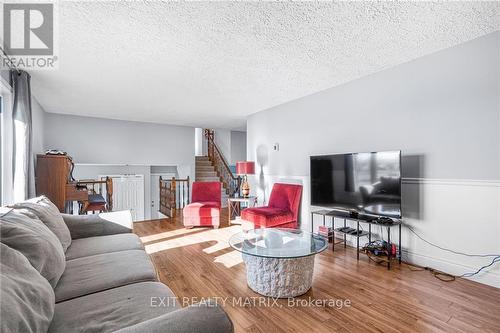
(204, 209)
(282, 210)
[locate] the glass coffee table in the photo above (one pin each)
(279, 262)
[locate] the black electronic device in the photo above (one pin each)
(384, 220)
(355, 232)
(346, 230)
(358, 183)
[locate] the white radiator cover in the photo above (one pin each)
(128, 194)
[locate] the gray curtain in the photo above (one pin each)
(23, 166)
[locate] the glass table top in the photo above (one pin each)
(278, 243)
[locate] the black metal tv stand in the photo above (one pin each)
(359, 233)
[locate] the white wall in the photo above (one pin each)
(38, 126)
(232, 144)
(238, 146)
(106, 146)
(199, 138)
(108, 141)
(442, 111)
(6, 138)
(222, 139)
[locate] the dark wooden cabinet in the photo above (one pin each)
(53, 179)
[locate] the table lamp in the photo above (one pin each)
(245, 168)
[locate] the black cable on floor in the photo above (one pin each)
(494, 261)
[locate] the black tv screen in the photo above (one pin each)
(365, 183)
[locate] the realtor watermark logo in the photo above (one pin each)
(29, 36)
(253, 301)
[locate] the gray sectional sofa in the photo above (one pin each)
(65, 273)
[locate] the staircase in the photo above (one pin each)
(206, 172)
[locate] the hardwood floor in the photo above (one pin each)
(199, 263)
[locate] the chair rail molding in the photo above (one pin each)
(446, 181)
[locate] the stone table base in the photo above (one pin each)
(279, 278)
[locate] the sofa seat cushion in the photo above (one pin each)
(206, 317)
(23, 231)
(49, 214)
(267, 216)
(90, 246)
(113, 309)
(87, 275)
(202, 209)
(27, 298)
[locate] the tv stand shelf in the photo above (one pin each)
(370, 220)
(361, 234)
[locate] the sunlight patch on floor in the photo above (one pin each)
(167, 234)
(245, 225)
(217, 247)
(221, 236)
(229, 259)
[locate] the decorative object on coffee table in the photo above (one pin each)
(279, 262)
(245, 168)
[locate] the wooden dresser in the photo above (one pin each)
(53, 179)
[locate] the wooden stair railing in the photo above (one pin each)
(174, 194)
(230, 182)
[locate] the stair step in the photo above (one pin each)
(204, 170)
(204, 163)
(207, 179)
(204, 167)
(201, 158)
(206, 173)
(211, 173)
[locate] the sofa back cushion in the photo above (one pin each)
(48, 213)
(21, 230)
(27, 302)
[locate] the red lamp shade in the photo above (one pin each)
(245, 168)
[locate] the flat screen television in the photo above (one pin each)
(364, 183)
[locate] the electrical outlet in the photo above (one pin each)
(276, 146)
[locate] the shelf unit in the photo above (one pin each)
(359, 232)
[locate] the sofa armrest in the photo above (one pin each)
(83, 226)
(193, 319)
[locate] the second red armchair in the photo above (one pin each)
(282, 210)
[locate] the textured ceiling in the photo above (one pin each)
(213, 64)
